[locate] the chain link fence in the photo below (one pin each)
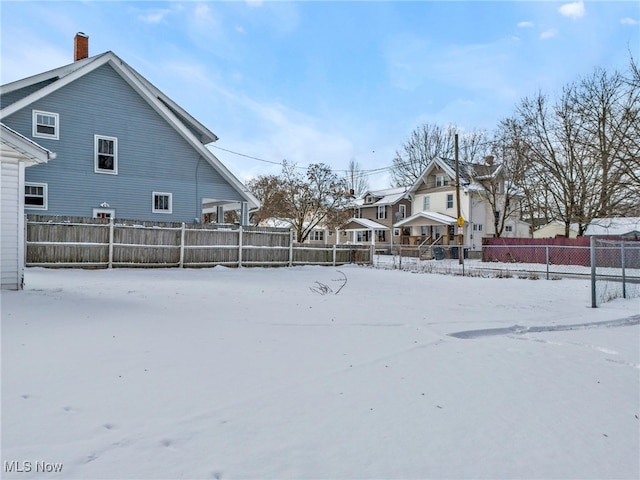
(615, 270)
(613, 266)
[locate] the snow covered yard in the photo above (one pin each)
(268, 373)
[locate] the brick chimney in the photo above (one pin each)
(80, 46)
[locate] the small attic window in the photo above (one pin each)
(45, 125)
(441, 180)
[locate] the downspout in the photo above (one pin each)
(198, 216)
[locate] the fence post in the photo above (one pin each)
(592, 251)
(110, 242)
(334, 255)
(182, 246)
(547, 259)
(624, 280)
(240, 246)
(291, 248)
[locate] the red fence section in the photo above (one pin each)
(561, 251)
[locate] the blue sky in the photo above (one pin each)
(331, 81)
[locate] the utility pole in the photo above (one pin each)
(460, 219)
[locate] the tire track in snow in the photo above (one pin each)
(519, 330)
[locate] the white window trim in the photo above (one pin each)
(95, 155)
(35, 133)
(426, 203)
(403, 211)
(440, 182)
(381, 212)
(396, 232)
(110, 211)
(153, 202)
(45, 195)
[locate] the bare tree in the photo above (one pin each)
(356, 179)
(582, 149)
(429, 142)
(608, 107)
(426, 143)
(501, 176)
(269, 190)
(317, 197)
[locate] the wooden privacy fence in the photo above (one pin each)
(100, 243)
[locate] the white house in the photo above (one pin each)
(434, 218)
(614, 226)
(555, 228)
(16, 153)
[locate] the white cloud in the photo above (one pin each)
(547, 34)
(572, 10)
(525, 24)
(32, 54)
(628, 21)
(154, 16)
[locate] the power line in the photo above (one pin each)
(373, 171)
(364, 173)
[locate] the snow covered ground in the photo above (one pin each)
(316, 372)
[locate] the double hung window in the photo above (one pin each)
(106, 155)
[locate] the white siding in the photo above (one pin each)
(11, 223)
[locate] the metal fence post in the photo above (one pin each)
(547, 259)
(624, 280)
(182, 229)
(592, 251)
(110, 242)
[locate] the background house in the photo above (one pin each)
(614, 227)
(555, 228)
(16, 153)
(434, 209)
(376, 211)
(124, 149)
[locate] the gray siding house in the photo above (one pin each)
(124, 149)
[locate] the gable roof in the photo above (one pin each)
(363, 224)
(195, 133)
(616, 226)
(427, 218)
(388, 196)
(16, 145)
(468, 172)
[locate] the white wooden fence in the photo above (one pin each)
(105, 243)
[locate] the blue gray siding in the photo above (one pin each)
(10, 98)
(152, 155)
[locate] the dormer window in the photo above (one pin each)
(441, 180)
(369, 199)
(45, 125)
